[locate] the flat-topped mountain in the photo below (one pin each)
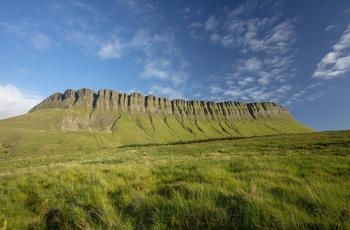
(100, 105)
(84, 119)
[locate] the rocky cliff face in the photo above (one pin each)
(113, 102)
(120, 118)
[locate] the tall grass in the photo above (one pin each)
(275, 182)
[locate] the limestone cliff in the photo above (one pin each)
(136, 118)
(113, 102)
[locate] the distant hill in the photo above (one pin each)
(83, 120)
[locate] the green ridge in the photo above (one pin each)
(92, 121)
(41, 132)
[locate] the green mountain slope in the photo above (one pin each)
(86, 121)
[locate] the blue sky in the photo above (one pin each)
(295, 53)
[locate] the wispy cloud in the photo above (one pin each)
(15, 101)
(158, 56)
(87, 8)
(41, 41)
(266, 44)
(64, 24)
(195, 25)
(211, 24)
(190, 11)
(252, 64)
(337, 62)
(166, 64)
(167, 92)
(331, 27)
(308, 93)
(157, 68)
(110, 50)
(196, 30)
(164, 69)
(246, 81)
(137, 6)
(18, 29)
(346, 11)
(25, 31)
(237, 31)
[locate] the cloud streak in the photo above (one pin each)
(337, 62)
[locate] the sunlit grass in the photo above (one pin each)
(70, 130)
(296, 181)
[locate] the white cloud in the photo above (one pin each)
(88, 8)
(166, 92)
(337, 62)
(137, 7)
(264, 80)
(262, 95)
(228, 41)
(215, 37)
(14, 101)
(179, 77)
(233, 93)
(186, 10)
(17, 30)
(346, 11)
(239, 31)
(251, 65)
(195, 25)
(284, 89)
(267, 44)
(165, 63)
(157, 68)
(110, 50)
(330, 58)
(344, 41)
(283, 34)
(215, 89)
(197, 28)
(211, 23)
(41, 41)
(164, 69)
(239, 10)
(141, 40)
(308, 93)
(331, 27)
(25, 30)
(246, 81)
(196, 32)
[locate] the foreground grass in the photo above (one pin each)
(278, 182)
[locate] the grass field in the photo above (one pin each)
(294, 181)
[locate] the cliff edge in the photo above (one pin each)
(136, 118)
(113, 102)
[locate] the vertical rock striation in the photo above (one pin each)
(136, 118)
(113, 102)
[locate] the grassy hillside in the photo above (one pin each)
(48, 131)
(295, 181)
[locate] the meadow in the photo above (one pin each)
(290, 181)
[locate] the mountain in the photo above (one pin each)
(85, 120)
